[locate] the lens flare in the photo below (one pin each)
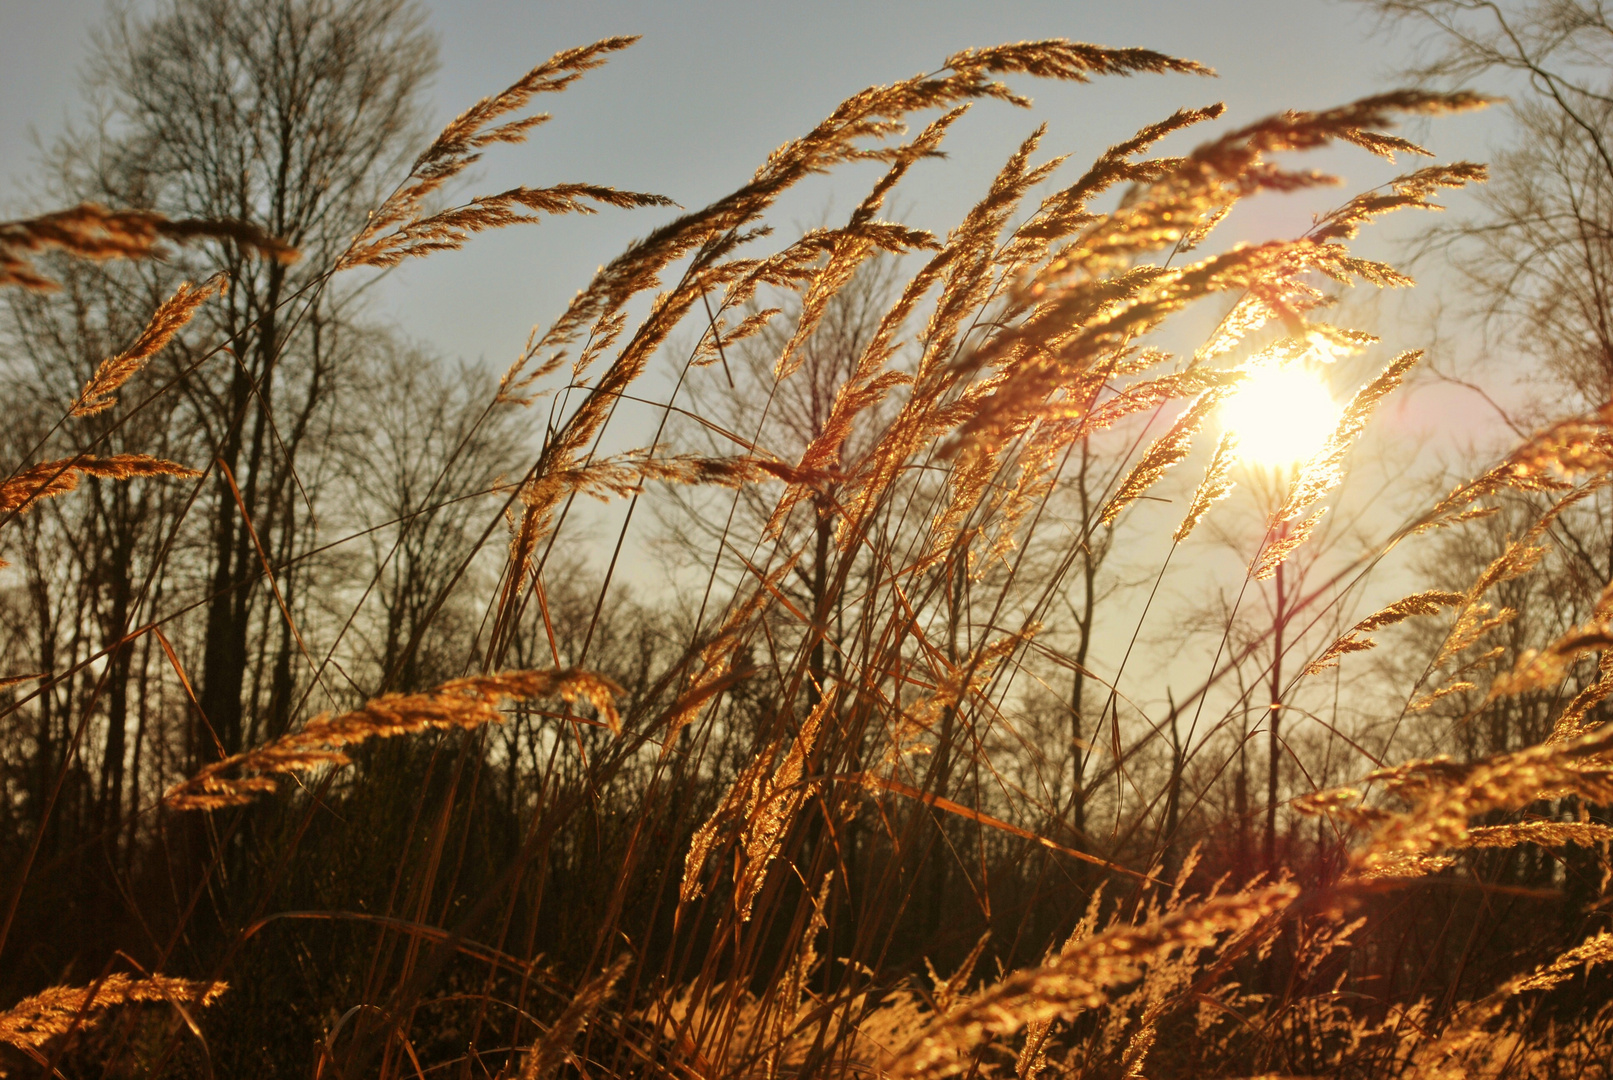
(1281, 416)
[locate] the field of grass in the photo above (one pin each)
(332, 745)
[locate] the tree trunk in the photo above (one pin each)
(1173, 799)
(224, 655)
(1274, 720)
(117, 691)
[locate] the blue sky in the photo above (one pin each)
(693, 108)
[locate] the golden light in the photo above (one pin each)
(1281, 415)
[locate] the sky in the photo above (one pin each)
(697, 104)
(692, 109)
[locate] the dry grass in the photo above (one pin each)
(839, 717)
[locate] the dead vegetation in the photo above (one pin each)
(730, 849)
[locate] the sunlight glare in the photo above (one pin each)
(1281, 416)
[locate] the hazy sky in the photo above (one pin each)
(693, 108)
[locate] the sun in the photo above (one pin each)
(1281, 416)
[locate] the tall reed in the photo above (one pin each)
(740, 859)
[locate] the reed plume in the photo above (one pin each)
(466, 703)
(166, 321)
(1430, 602)
(34, 1021)
(89, 231)
(1081, 977)
(48, 479)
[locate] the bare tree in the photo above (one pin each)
(1539, 260)
(779, 418)
(1539, 254)
(423, 453)
(1090, 549)
(289, 115)
(101, 550)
